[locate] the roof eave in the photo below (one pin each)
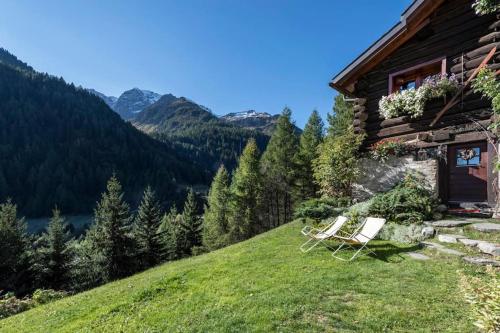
(398, 32)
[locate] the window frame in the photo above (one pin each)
(392, 76)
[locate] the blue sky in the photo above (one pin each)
(229, 55)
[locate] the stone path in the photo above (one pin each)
(446, 238)
(482, 261)
(486, 227)
(449, 223)
(443, 249)
(491, 250)
(418, 256)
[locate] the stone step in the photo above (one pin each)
(489, 248)
(486, 227)
(448, 238)
(482, 261)
(418, 256)
(483, 246)
(449, 223)
(440, 248)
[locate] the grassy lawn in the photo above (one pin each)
(266, 284)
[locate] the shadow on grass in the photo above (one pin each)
(386, 252)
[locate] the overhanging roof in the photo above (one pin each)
(414, 18)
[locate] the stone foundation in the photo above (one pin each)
(377, 177)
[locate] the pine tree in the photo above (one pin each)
(310, 139)
(15, 251)
(150, 245)
(244, 220)
(215, 230)
(191, 225)
(340, 120)
(337, 167)
(109, 236)
(280, 168)
(171, 234)
(55, 254)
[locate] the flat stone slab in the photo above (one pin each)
(482, 261)
(489, 248)
(486, 227)
(447, 238)
(442, 249)
(449, 223)
(418, 256)
(469, 242)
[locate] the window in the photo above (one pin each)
(413, 77)
(468, 157)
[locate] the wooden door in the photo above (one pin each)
(468, 172)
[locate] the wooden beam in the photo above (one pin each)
(454, 100)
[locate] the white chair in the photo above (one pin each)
(317, 236)
(360, 237)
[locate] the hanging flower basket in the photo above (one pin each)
(411, 102)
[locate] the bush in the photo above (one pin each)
(320, 209)
(11, 305)
(409, 202)
(44, 296)
(381, 150)
(484, 296)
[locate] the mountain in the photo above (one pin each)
(133, 101)
(11, 60)
(109, 100)
(197, 134)
(59, 144)
(252, 119)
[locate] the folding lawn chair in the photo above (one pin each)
(317, 236)
(360, 237)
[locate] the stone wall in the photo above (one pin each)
(379, 176)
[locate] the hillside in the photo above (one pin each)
(265, 284)
(261, 121)
(197, 134)
(59, 144)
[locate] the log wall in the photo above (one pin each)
(454, 31)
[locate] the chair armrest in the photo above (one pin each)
(307, 230)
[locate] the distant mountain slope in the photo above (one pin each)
(109, 100)
(9, 59)
(133, 101)
(197, 134)
(59, 144)
(252, 119)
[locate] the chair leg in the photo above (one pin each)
(305, 248)
(338, 249)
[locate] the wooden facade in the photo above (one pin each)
(445, 33)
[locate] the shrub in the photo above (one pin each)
(409, 202)
(320, 209)
(411, 102)
(44, 296)
(484, 296)
(11, 305)
(483, 7)
(381, 150)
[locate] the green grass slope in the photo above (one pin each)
(266, 284)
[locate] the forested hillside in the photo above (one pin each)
(59, 144)
(197, 134)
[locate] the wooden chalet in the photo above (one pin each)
(433, 37)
